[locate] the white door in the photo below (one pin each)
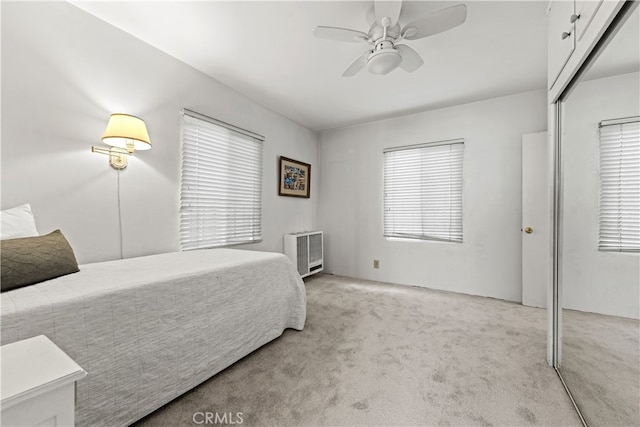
(536, 234)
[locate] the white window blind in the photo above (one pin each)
(221, 184)
(423, 191)
(620, 185)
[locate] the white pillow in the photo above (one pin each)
(17, 222)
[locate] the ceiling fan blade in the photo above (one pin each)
(340, 34)
(387, 8)
(411, 61)
(371, 15)
(436, 22)
(357, 65)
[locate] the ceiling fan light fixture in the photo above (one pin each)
(387, 29)
(384, 61)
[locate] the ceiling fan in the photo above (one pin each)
(384, 53)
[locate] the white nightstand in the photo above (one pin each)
(38, 384)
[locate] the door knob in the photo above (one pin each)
(528, 230)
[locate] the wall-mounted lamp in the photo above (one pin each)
(125, 134)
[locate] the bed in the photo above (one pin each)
(149, 329)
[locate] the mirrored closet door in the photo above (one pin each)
(599, 230)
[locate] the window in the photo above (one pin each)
(620, 185)
(221, 184)
(423, 191)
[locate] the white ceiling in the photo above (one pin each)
(266, 50)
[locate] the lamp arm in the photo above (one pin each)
(117, 156)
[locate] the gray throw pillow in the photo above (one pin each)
(29, 260)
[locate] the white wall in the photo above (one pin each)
(594, 281)
(350, 211)
(63, 73)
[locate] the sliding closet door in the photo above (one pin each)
(599, 265)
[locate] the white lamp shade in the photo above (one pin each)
(124, 130)
(384, 61)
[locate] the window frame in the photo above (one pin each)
(199, 235)
(455, 231)
(606, 192)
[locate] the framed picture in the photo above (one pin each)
(295, 178)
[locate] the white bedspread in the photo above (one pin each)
(149, 329)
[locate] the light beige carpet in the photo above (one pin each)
(375, 354)
(601, 367)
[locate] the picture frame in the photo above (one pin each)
(295, 178)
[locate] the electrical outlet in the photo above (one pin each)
(376, 263)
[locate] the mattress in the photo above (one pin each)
(149, 329)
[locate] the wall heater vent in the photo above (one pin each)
(305, 250)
